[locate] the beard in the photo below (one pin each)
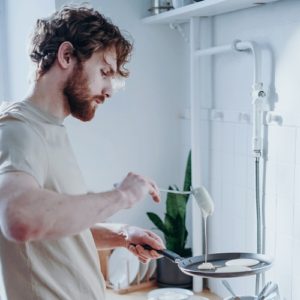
(81, 102)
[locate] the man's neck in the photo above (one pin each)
(47, 95)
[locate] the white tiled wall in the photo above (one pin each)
(233, 225)
(276, 28)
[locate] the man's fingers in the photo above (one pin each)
(153, 240)
(138, 238)
(141, 253)
(146, 254)
(155, 187)
(156, 238)
(138, 186)
(154, 254)
(153, 243)
(154, 192)
(133, 250)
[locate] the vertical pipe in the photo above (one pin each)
(195, 141)
(258, 106)
(258, 205)
(205, 101)
(258, 219)
(263, 195)
(201, 35)
(258, 95)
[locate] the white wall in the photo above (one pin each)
(276, 28)
(138, 129)
(2, 50)
(17, 21)
(20, 20)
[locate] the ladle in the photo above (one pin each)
(201, 196)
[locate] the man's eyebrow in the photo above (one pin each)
(111, 70)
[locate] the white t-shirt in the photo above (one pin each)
(36, 143)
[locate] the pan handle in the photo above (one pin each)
(174, 257)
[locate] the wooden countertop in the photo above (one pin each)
(142, 295)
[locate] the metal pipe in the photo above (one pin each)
(236, 45)
(214, 50)
(258, 97)
(197, 27)
(258, 205)
(258, 218)
(250, 46)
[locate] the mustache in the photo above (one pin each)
(99, 98)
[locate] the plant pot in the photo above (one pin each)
(169, 275)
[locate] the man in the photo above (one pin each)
(47, 248)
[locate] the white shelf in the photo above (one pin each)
(204, 8)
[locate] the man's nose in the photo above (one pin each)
(107, 91)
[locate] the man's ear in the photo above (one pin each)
(65, 57)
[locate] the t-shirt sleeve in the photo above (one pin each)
(22, 149)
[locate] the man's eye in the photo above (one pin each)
(103, 73)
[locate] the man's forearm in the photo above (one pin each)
(108, 236)
(28, 212)
(31, 213)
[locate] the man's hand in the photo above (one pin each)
(136, 187)
(135, 237)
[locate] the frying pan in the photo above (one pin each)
(190, 265)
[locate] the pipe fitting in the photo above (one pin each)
(273, 118)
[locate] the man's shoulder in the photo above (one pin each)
(11, 111)
(12, 128)
(4, 105)
(14, 125)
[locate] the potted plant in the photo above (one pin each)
(175, 233)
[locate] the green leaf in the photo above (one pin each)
(176, 204)
(171, 204)
(171, 224)
(176, 229)
(157, 221)
(172, 244)
(173, 227)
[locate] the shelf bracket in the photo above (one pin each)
(179, 28)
